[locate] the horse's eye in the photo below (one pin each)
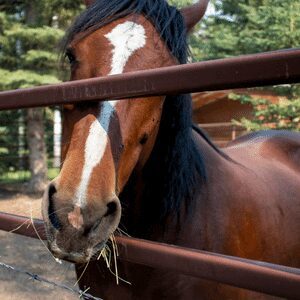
(71, 57)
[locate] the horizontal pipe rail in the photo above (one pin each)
(243, 273)
(278, 67)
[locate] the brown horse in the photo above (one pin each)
(145, 157)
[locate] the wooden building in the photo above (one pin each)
(214, 112)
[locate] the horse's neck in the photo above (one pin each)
(177, 226)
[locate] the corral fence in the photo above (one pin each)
(279, 67)
(14, 148)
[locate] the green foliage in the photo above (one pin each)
(3, 22)
(27, 56)
(25, 47)
(250, 26)
(273, 25)
(253, 26)
(13, 176)
(43, 37)
(46, 12)
(24, 79)
(240, 27)
(180, 3)
(9, 140)
(266, 115)
(42, 60)
(30, 31)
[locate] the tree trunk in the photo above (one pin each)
(21, 140)
(37, 150)
(35, 130)
(57, 129)
(31, 13)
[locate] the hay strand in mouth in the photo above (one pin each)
(115, 253)
(122, 232)
(106, 254)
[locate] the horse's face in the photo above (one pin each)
(102, 142)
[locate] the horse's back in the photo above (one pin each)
(269, 145)
(268, 168)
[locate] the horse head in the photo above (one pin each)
(104, 142)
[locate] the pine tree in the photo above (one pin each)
(30, 31)
(253, 26)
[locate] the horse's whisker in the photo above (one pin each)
(20, 226)
(39, 237)
(58, 210)
(81, 275)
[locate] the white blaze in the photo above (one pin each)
(94, 151)
(126, 38)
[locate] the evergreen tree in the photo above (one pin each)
(180, 3)
(30, 31)
(253, 26)
(250, 26)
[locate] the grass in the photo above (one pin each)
(23, 176)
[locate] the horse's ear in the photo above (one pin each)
(88, 2)
(194, 13)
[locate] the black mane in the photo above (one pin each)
(175, 166)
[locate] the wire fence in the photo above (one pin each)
(14, 141)
(78, 292)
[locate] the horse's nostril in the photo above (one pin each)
(91, 228)
(51, 208)
(51, 191)
(111, 208)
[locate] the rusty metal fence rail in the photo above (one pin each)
(243, 273)
(279, 67)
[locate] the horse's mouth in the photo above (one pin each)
(75, 257)
(97, 250)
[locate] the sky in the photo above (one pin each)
(210, 9)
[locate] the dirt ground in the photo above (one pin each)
(30, 255)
